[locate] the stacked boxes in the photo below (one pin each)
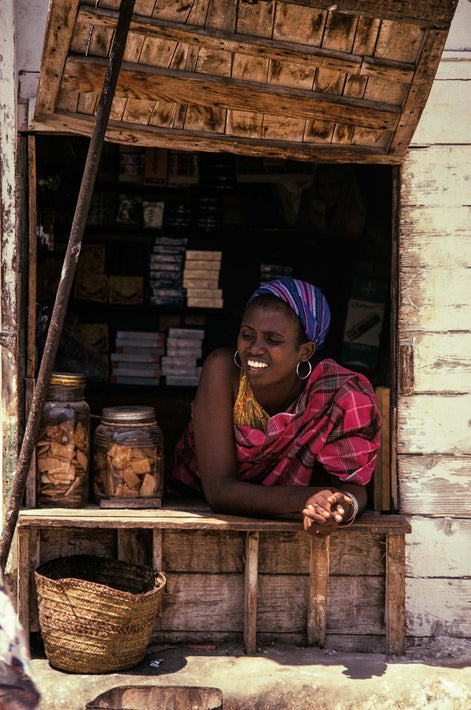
(201, 279)
(184, 349)
(166, 271)
(137, 357)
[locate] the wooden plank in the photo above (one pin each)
(441, 362)
(87, 74)
(444, 119)
(437, 607)
(358, 553)
(433, 237)
(419, 89)
(318, 589)
(433, 301)
(59, 32)
(157, 550)
(435, 485)
(23, 591)
(339, 35)
(174, 139)
(395, 611)
(382, 472)
(30, 492)
(189, 518)
(130, 546)
(438, 547)
(251, 592)
(430, 423)
(399, 41)
(428, 173)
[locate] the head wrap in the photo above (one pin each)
(307, 302)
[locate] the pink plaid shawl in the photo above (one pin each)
(335, 422)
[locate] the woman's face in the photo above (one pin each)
(268, 345)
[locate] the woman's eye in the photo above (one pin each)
(273, 341)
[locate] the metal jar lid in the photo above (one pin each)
(70, 379)
(128, 414)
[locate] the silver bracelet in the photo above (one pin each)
(354, 514)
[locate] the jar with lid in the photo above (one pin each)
(128, 458)
(63, 445)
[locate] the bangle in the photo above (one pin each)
(354, 514)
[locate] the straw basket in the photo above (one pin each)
(96, 615)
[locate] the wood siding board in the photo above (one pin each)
(255, 19)
(435, 485)
(59, 31)
(138, 111)
(251, 592)
(438, 547)
(86, 103)
(157, 52)
(438, 176)
(377, 139)
(366, 36)
(99, 43)
(318, 592)
(428, 300)
(384, 91)
(250, 68)
(117, 109)
(447, 416)
(279, 128)
(399, 41)
(394, 611)
(290, 74)
(419, 90)
(222, 14)
(244, 123)
(203, 551)
(87, 74)
(177, 10)
(164, 114)
(436, 237)
(438, 607)
(67, 101)
(81, 36)
(177, 139)
(443, 118)
(205, 119)
(441, 362)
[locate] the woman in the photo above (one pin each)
(271, 422)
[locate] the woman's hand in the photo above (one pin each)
(325, 510)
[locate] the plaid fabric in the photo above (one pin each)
(335, 423)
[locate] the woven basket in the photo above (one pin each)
(96, 615)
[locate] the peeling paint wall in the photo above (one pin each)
(8, 248)
(434, 420)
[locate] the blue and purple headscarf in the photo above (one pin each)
(306, 301)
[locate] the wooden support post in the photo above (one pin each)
(318, 587)
(251, 592)
(23, 592)
(157, 551)
(130, 548)
(395, 602)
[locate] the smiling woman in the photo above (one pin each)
(277, 428)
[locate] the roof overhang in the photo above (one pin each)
(299, 79)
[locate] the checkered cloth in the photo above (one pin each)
(335, 422)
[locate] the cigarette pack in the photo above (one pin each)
(199, 274)
(199, 264)
(205, 302)
(134, 370)
(211, 281)
(182, 361)
(204, 292)
(186, 333)
(139, 349)
(142, 356)
(194, 255)
(195, 351)
(182, 380)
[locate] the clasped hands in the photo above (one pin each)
(324, 511)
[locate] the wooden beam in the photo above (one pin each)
(419, 90)
(303, 55)
(251, 592)
(395, 602)
(59, 30)
(178, 139)
(86, 74)
(318, 589)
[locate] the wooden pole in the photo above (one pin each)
(67, 276)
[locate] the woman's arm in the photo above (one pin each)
(215, 450)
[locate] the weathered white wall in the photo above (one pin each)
(434, 422)
(8, 249)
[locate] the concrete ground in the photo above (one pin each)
(287, 678)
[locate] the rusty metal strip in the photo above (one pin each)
(67, 276)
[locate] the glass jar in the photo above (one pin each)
(128, 458)
(63, 445)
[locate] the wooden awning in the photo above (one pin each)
(300, 79)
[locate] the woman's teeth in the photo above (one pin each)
(257, 365)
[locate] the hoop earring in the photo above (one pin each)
(309, 372)
(236, 355)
